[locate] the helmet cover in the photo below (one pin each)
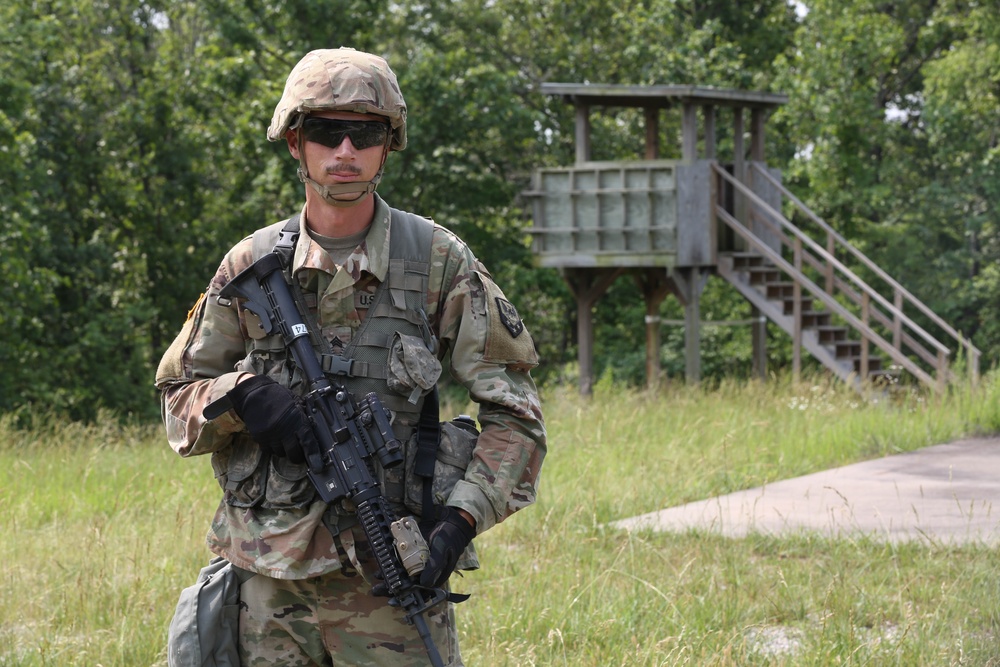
(341, 80)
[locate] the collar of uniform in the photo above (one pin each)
(377, 240)
(310, 255)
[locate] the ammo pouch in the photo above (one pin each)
(437, 456)
(204, 631)
(454, 453)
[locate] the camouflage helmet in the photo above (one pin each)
(341, 80)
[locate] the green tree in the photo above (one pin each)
(961, 101)
(132, 138)
(890, 108)
(85, 342)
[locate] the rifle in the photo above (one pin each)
(348, 433)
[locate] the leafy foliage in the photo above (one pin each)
(133, 155)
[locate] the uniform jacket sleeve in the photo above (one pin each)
(492, 355)
(199, 367)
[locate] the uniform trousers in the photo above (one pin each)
(332, 621)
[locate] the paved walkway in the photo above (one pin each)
(942, 494)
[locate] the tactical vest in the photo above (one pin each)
(397, 313)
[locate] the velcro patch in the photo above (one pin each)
(509, 317)
(507, 339)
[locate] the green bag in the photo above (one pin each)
(204, 631)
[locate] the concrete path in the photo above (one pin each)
(944, 494)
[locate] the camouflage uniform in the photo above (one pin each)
(314, 601)
(270, 520)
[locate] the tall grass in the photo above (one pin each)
(103, 525)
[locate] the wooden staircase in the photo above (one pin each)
(763, 285)
(807, 289)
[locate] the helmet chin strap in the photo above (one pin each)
(329, 192)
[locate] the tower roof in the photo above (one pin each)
(660, 95)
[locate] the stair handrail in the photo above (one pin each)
(972, 351)
(825, 297)
(824, 254)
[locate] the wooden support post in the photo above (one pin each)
(897, 321)
(585, 343)
(865, 319)
(942, 370)
(588, 286)
(653, 284)
(758, 342)
(652, 345)
(708, 118)
(757, 117)
(689, 133)
(582, 133)
(690, 282)
(652, 133)
(739, 168)
(828, 268)
(797, 312)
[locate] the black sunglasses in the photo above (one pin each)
(331, 132)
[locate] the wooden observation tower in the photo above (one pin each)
(671, 224)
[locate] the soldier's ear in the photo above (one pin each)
(292, 139)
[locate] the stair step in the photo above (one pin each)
(781, 290)
(762, 275)
(807, 304)
(831, 333)
(746, 260)
(847, 348)
(839, 350)
(815, 318)
(874, 363)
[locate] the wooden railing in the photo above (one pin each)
(901, 297)
(859, 305)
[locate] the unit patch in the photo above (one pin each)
(509, 317)
(194, 307)
(507, 338)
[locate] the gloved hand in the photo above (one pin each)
(447, 540)
(274, 417)
(380, 589)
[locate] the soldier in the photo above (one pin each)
(388, 295)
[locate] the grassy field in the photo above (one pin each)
(103, 525)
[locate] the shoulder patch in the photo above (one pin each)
(508, 340)
(509, 317)
(194, 307)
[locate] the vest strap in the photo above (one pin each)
(385, 310)
(428, 440)
(338, 365)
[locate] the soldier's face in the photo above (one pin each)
(344, 162)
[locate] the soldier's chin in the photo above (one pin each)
(351, 196)
(347, 199)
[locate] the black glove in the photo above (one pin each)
(380, 589)
(273, 416)
(447, 540)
